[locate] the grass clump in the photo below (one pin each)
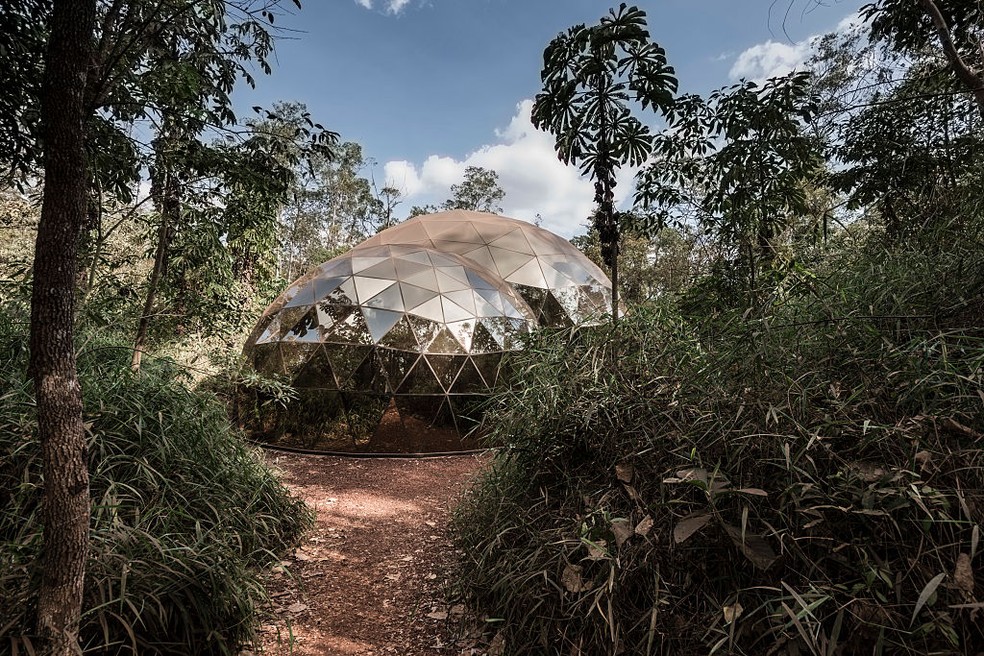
(184, 515)
(809, 480)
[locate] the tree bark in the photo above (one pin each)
(65, 498)
(971, 79)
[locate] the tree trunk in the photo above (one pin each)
(973, 80)
(164, 190)
(65, 499)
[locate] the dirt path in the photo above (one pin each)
(370, 578)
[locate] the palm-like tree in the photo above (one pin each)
(591, 77)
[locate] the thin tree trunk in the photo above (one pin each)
(65, 499)
(974, 81)
(169, 208)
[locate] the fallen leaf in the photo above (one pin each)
(571, 579)
(754, 547)
(498, 645)
(926, 593)
(643, 527)
(731, 613)
(624, 472)
(297, 607)
(687, 527)
(596, 549)
(754, 491)
(963, 575)
(622, 530)
(438, 615)
(633, 494)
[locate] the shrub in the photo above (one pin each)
(184, 516)
(809, 480)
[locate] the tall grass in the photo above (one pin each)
(185, 517)
(806, 480)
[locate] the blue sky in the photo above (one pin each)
(431, 86)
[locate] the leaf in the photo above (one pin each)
(571, 579)
(731, 613)
(754, 491)
(624, 472)
(926, 593)
(643, 527)
(687, 527)
(753, 547)
(963, 575)
(622, 530)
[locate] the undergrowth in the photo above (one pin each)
(184, 515)
(806, 480)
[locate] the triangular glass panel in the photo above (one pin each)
(420, 256)
(325, 286)
(452, 231)
(362, 262)
(344, 294)
(446, 343)
(344, 360)
(463, 331)
(267, 359)
(464, 298)
(476, 281)
(483, 341)
(400, 336)
(396, 365)
(271, 333)
(414, 296)
(488, 366)
(447, 283)
(513, 241)
(385, 270)
(380, 321)
(529, 274)
(368, 376)
(420, 380)
(389, 299)
(553, 314)
(306, 330)
(364, 413)
(508, 261)
(445, 368)
(289, 317)
(469, 381)
(454, 312)
(425, 330)
(491, 230)
(353, 330)
(405, 267)
(316, 371)
(496, 327)
(432, 309)
(369, 287)
(426, 279)
(300, 295)
(456, 247)
(483, 258)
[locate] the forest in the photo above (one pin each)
(775, 447)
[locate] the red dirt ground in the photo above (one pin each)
(371, 577)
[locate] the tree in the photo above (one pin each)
(590, 75)
(65, 504)
(736, 163)
(957, 26)
(479, 191)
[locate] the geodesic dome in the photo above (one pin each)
(384, 342)
(559, 283)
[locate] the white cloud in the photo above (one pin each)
(395, 6)
(770, 59)
(392, 7)
(534, 180)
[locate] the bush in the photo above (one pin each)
(184, 516)
(807, 481)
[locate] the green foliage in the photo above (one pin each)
(185, 516)
(479, 191)
(799, 481)
(591, 78)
